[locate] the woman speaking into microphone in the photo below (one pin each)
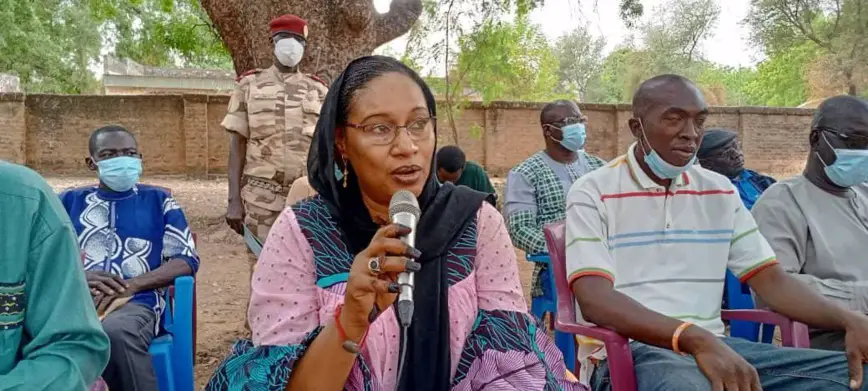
(322, 307)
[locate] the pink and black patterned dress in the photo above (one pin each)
(301, 278)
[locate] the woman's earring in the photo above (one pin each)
(345, 172)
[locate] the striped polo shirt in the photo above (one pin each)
(668, 249)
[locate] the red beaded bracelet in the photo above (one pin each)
(348, 345)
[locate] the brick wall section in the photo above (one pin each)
(195, 132)
(181, 134)
(471, 125)
(58, 128)
(218, 138)
(12, 128)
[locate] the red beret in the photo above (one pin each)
(290, 24)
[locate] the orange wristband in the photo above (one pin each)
(677, 334)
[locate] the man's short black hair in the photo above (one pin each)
(91, 144)
(451, 158)
(547, 115)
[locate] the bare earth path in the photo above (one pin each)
(223, 281)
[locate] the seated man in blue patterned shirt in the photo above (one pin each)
(135, 241)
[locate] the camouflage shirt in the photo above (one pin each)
(277, 113)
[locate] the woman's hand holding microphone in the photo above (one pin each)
(372, 286)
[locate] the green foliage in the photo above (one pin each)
(579, 56)
(44, 44)
(727, 85)
(781, 80)
(508, 61)
(630, 11)
(836, 28)
(611, 84)
(162, 32)
(49, 44)
(669, 44)
(475, 131)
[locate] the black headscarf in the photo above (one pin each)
(446, 212)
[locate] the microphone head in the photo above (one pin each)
(404, 201)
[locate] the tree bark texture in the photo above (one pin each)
(338, 30)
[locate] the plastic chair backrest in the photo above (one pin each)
(547, 302)
(620, 357)
(182, 333)
(557, 253)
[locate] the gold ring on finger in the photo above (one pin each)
(374, 265)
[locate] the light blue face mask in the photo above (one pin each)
(573, 137)
(120, 173)
(850, 166)
(661, 168)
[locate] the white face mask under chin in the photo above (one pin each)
(288, 51)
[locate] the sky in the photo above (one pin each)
(728, 45)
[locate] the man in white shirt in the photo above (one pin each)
(649, 239)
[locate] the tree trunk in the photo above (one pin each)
(338, 30)
(851, 84)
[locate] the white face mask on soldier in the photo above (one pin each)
(288, 51)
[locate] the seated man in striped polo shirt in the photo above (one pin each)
(649, 238)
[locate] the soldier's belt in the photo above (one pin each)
(270, 186)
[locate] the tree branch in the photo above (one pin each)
(210, 25)
(792, 16)
(400, 18)
(448, 95)
(837, 19)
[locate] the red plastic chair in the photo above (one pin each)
(619, 355)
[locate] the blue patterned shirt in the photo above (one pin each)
(751, 186)
(130, 233)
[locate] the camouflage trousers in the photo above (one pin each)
(263, 202)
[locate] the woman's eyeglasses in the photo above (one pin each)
(385, 133)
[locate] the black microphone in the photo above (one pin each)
(404, 210)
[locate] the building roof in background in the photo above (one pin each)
(120, 75)
(127, 67)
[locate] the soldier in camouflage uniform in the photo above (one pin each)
(271, 117)
(536, 189)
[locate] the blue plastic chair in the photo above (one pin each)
(738, 297)
(548, 303)
(172, 350)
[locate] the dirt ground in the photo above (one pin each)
(223, 280)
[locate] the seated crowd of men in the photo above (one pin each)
(649, 237)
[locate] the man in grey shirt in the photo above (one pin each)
(817, 222)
